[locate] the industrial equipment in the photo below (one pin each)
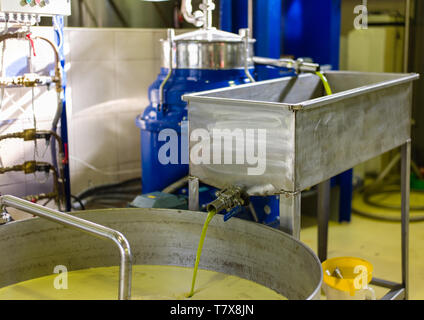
(201, 60)
(36, 7)
(29, 12)
(17, 18)
(308, 138)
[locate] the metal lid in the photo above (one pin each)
(210, 35)
(208, 49)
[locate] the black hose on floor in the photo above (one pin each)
(367, 200)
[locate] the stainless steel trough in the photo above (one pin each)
(310, 137)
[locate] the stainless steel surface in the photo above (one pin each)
(405, 189)
(164, 237)
(207, 49)
(384, 283)
(290, 206)
(397, 293)
(193, 193)
(250, 14)
(323, 213)
(310, 137)
(125, 269)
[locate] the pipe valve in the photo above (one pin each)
(228, 199)
(5, 217)
(298, 65)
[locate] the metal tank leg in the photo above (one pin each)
(405, 189)
(290, 213)
(323, 213)
(193, 194)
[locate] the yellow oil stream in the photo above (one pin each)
(211, 214)
(149, 283)
(325, 83)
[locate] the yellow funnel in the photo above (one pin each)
(356, 274)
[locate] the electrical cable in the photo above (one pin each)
(92, 190)
(79, 201)
(110, 194)
(47, 202)
(385, 218)
(369, 201)
(366, 196)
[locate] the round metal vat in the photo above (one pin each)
(32, 248)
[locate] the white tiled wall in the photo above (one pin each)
(108, 72)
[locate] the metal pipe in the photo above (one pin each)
(187, 11)
(27, 80)
(171, 34)
(245, 34)
(323, 215)
(250, 15)
(298, 65)
(32, 134)
(207, 6)
(89, 227)
(57, 78)
(59, 109)
(29, 167)
(193, 193)
(176, 185)
(16, 35)
(198, 18)
(407, 30)
(405, 189)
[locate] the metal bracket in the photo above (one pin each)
(290, 204)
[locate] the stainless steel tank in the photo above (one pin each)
(32, 248)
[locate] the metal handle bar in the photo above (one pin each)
(125, 268)
(298, 65)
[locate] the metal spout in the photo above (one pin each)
(228, 199)
(5, 217)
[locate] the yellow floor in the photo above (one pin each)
(378, 242)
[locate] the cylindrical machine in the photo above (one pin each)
(201, 60)
(32, 248)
